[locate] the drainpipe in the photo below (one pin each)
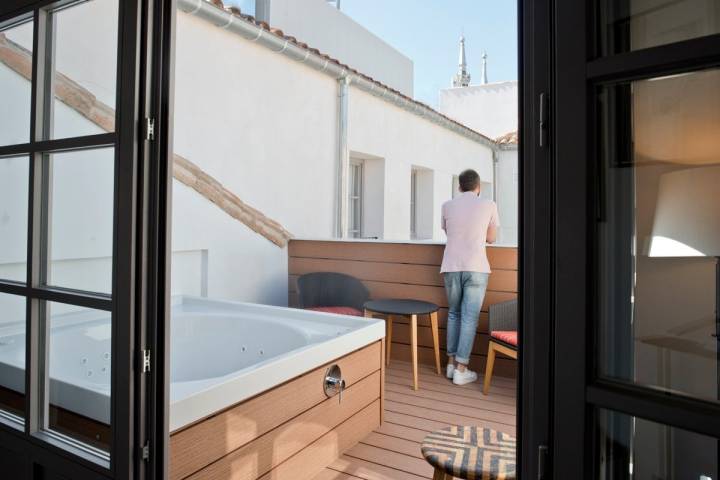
(343, 159)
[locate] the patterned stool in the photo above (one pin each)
(470, 453)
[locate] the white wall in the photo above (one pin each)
(508, 190)
(405, 140)
(322, 26)
(490, 109)
(266, 127)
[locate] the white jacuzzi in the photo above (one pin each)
(221, 353)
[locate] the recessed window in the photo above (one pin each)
(413, 204)
(355, 199)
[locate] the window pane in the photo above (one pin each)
(12, 354)
(85, 69)
(633, 448)
(15, 77)
(13, 217)
(79, 364)
(659, 233)
(81, 219)
(627, 25)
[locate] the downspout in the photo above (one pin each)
(343, 159)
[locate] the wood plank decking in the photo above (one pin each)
(392, 452)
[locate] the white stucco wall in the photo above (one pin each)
(405, 141)
(508, 189)
(491, 109)
(322, 26)
(266, 127)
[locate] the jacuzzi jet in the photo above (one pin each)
(89, 373)
(83, 361)
(243, 348)
(106, 356)
(262, 352)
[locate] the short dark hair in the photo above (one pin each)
(469, 180)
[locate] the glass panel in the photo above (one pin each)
(659, 233)
(12, 353)
(14, 180)
(81, 219)
(84, 69)
(634, 448)
(79, 364)
(15, 77)
(627, 25)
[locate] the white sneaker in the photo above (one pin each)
(449, 370)
(462, 378)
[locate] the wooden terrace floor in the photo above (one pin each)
(392, 452)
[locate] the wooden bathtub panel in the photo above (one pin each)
(327, 449)
(238, 425)
(267, 452)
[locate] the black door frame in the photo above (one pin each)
(139, 401)
(536, 235)
(577, 389)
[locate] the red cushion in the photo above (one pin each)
(339, 310)
(508, 337)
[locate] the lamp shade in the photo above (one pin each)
(687, 215)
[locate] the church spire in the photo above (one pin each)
(484, 79)
(462, 77)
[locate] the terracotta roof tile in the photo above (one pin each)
(510, 138)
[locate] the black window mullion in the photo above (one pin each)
(31, 316)
(678, 411)
(86, 142)
(697, 53)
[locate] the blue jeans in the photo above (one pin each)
(465, 293)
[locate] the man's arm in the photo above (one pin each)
(443, 223)
(491, 236)
(491, 233)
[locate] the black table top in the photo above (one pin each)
(393, 306)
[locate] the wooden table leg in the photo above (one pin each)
(436, 340)
(388, 338)
(414, 349)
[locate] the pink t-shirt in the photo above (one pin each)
(465, 219)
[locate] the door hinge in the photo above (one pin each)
(146, 361)
(149, 129)
(543, 121)
(542, 462)
(146, 451)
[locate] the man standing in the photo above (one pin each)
(469, 222)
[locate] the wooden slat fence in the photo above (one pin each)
(407, 270)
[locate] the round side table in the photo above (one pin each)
(410, 309)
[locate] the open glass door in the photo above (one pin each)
(71, 385)
(636, 110)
